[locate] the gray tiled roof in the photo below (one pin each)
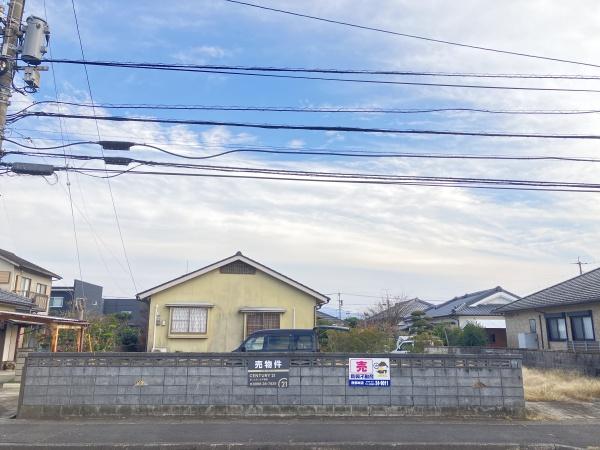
(401, 309)
(462, 305)
(17, 300)
(581, 289)
(20, 262)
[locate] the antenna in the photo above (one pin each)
(580, 263)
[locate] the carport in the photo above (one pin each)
(55, 325)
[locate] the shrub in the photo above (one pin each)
(359, 340)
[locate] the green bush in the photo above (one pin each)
(359, 340)
(473, 336)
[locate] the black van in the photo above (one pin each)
(282, 340)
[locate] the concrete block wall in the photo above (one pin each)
(587, 363)
(216, 384)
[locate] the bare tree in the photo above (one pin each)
(388, 311)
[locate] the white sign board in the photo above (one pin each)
(369, 372)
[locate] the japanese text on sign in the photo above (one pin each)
(369, 372)
(269, 372)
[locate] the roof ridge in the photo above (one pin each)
(527, 298)
(468, 294)
(561, 282)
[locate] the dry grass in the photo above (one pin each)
(559, 385)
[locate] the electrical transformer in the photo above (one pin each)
(35, 40)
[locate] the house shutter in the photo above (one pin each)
(261, 321)
(4, 277)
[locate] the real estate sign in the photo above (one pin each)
(369, 372)
(269, 372)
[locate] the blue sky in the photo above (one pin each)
(429, 242)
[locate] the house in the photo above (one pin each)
(332, 320)
(24, 289)
(68, 301)
(399, 313)
(214, 308)
(565, 316)
(138, 314)
(479, 308)
(10, 331)
(26, 279)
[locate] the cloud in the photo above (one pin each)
(201, 55)
(430, 242)
(296, 143)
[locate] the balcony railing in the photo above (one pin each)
(39, 300)
(583, 346)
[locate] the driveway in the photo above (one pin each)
(9, 397)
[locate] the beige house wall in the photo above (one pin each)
(228, 293)
(15, 273)
(518, 322)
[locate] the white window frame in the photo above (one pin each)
(203, 329)
(24, 281)
(52, 302)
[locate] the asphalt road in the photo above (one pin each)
(349, 433)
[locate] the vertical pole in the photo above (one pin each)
(53, 338)
(80, 333)
(9, 51)
(339, 305)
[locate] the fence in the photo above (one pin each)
(585, 362)
(80, 384)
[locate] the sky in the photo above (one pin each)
(403, 241)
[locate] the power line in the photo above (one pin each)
(344, 80)
(334, 109)
(312, 153)
(414, 36)
(69, 193)
(272, 126)
(412, 73)
(338, 177)
(112, 198)
(408, 181)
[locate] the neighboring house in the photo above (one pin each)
(565, 316)
(213, 309)
(67, 301)
(10, 331)
(26, 279)
(399, 313)
(330, 319)
(479, 308)
(24, 289)
(138, 314)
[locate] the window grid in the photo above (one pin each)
(582, 328)
(261, 321)
(189, 320)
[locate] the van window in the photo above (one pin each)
(305, 342)
(255, 344)
(278, 343)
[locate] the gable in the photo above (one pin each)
(499, 298)
(235, 265)
(238, 268)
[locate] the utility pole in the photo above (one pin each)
(340, 303)
(580, 263)
(10, 39)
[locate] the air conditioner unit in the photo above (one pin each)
(160, 350)
(528, 341)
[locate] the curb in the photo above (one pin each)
(297, 446)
